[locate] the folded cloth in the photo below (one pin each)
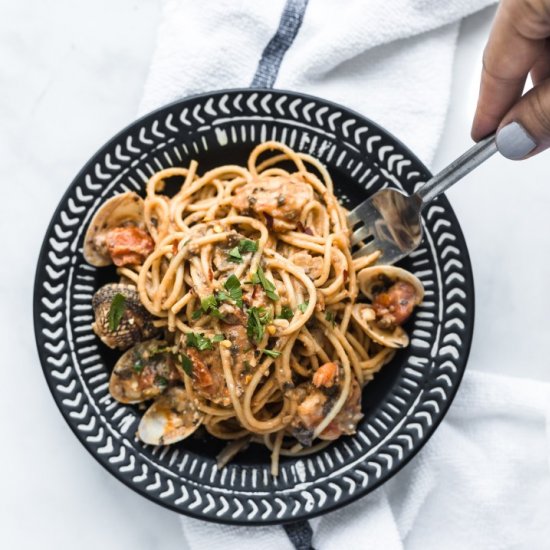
(483, 480)
(388, 60)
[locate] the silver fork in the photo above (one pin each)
(390, 221)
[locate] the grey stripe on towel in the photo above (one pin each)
(300, 532)
(272, 56)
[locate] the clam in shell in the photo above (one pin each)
(136, 323)
(373, 281)
(365, 316)
(122, 210)
(171, 418)
(143, 372)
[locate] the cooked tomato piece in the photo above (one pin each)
(128, 245)
(201, 373)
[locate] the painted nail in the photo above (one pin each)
(514, 142)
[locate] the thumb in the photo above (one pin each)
(525, 129)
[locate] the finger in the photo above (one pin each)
(525, 130)
(515, 43)
(541, 68)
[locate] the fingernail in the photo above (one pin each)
(514, 142)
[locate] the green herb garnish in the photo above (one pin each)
(244, 246)
(258, 317)
(209, 305)
(186, 364)
(160, 380)
(303, 306)
(260, 278)
(199, 341)
(330, 317)
(138, 366)
(197, 314)
(286, 313)
(208, 302)
(233, 287)
(271, 353)
(235, 255)
(218, 338)
(116, 311)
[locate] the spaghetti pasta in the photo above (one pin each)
(270, 327)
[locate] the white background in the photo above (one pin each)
(71, 75)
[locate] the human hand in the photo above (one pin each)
(519, 44)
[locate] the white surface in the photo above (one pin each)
(72, 75)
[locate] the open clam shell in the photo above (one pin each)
(364, 315)
(119, 211)
(373, 280)
(143, 372)
(171, 418)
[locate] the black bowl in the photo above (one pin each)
(402, 406)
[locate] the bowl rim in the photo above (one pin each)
(451, 392)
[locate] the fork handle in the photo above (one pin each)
(463, 165)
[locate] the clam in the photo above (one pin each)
(120, 318)
(124, 210)
(376, 278)
(393, 293)
(143, 372)
(365, 316)
(171, 418)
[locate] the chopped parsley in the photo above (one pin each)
(244, 246)
(286, 313)
(260, 278)
(271, 353)
(138, 365)
(160, 380)
(198, 341)
(258, 318)
(233, 288)
(186, 364)
(202, 342)
(303, 306)
(116, 311)
(210, 305)
(330, 317)
(197, 314)
(235, 255)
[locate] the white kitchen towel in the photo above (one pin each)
(483, 480)
(390, 60)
